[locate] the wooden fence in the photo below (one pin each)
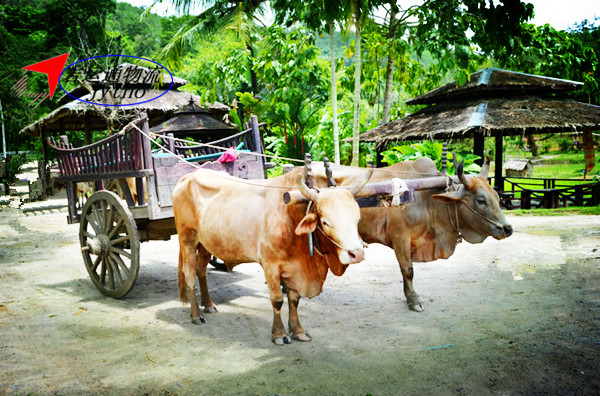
(532, 192)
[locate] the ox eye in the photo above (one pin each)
(481, 200)
(325, 223)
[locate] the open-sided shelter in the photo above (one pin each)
(494, 103)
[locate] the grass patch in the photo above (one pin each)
(571, 210)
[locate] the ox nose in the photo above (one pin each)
(356, 255)
(508, 230)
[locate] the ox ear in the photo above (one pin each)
(450, 197)
(307, 225)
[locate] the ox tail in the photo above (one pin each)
(183, 296)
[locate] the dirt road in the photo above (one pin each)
(518, 316)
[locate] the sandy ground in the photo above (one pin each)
(518, 316)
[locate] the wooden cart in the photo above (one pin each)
(112, 225)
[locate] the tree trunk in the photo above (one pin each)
(356, 123)
(389, 73)
(253, 79)
(532, 145)
(336, 137)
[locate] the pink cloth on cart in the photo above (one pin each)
(228, 156)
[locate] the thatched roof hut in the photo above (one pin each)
(489, 117)
(492, 82)
(77, 115)
(196, 122)
(493, 103)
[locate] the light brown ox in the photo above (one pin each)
(241, 221)
(430, 227)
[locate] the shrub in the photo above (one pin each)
(14, 163)
(410, 152)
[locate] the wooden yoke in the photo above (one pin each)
(383, 188)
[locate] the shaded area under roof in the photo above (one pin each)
(497, 82)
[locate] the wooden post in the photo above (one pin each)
(379, 160)
(42, 165)
(86, 129)
(171, 142)
(153, 207)
(478, 145)
(525, 199)
(72, 202)
(498, 179)
(257, 140)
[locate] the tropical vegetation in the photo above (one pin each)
(318, 73)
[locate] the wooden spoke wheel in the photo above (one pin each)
(109, 243)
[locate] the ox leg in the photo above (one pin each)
(298, 332)
(279, 335)
(412, 298)
(189, 259)
(205, 300)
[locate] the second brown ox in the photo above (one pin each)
(241, 221)
(430, 227)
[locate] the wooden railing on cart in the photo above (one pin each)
(118, 157)
(249, 138)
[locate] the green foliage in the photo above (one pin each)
(139, 36)
(565, 145)
(433, 150)
(296, 88)
(323, 146)
(568, 55)
(13, 165)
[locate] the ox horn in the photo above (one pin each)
(309, 193)
(361, 183)
(483, 173)
(460, 172)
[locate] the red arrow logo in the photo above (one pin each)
(52, 67)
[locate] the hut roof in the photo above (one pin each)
(501, 116)
(516, 164)
(193, 120)
(74, 115)
(497, 82)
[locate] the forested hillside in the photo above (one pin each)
(282, 72)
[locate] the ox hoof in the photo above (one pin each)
(212, 309)
(282, 340)
(305, 337)
(414, 303)
(198, 321)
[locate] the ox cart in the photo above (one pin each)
(139, 209)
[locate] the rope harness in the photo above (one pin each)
(456, 226)
(313, 243)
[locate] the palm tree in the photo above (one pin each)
(320, 15)
(241, 16)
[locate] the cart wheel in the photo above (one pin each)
(109, 244)
(218, 263)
